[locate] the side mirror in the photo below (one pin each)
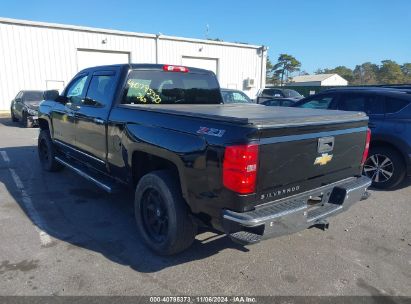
(17, 100)
(51, 95)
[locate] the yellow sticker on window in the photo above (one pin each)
(142, 91)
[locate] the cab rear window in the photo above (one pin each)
(159, 87)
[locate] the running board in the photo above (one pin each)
(106, 186)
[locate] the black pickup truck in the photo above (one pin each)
(249, 171)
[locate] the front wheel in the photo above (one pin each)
(385, 166)
(27, 123)
(162, 216)
(47, 152)
(13, 116)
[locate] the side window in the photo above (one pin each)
(226, 96)
(100, 91)
(272, 93)
(272, 103)
(352, 102)
(320, 102)
(370, 104)
(277, 93)
(393, 105)
(239, 97)
(374, 105)
(19, 95)
(76, 90)
(287, 103)
(266, 92)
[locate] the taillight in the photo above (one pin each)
(240, 168)
(175, 68)
(367, 147)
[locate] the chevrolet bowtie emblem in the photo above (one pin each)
(323, 159)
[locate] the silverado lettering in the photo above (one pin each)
(280, 192)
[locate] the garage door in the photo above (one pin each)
(202, 63)
(89, 58)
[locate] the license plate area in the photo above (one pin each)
(318, 200)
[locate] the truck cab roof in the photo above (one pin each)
(142, 66)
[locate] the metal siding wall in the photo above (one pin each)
(31, 55)
(235, 64)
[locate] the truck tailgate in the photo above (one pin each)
(299, 159)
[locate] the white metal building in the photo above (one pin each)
(37, 55)
(318, 80)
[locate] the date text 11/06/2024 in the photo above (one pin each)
(203, 299)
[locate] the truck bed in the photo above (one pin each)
(257, 115)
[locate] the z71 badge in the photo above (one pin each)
(211, 131)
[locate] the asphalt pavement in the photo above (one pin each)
(60, 235)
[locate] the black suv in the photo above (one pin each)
(389, 109)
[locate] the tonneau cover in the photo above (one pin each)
(258, 115)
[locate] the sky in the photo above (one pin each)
(319, 33)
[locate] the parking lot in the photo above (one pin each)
(60, 235)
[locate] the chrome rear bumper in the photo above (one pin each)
(293, 214)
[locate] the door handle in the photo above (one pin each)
(98, 121)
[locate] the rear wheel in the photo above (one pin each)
(163, 218)
(47, 152)
(13, 117)
(385, 166)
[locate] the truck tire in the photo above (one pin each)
(385, 166)
(25, 120)
(13, 117)
(47, 152)
(162, 216)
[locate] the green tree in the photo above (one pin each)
(406, 71)
(215, 39)
(270, 78)
(390, 73)
(366, 73)
(268, 68)
(344, 72)
(286, 64)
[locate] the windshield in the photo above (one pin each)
(33, 96)
(292, 94)
(317, 102)
(235, 97)
(158, 87)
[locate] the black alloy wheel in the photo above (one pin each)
(46, 152)
(163, 217)
(13, 116)
(155, 215)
